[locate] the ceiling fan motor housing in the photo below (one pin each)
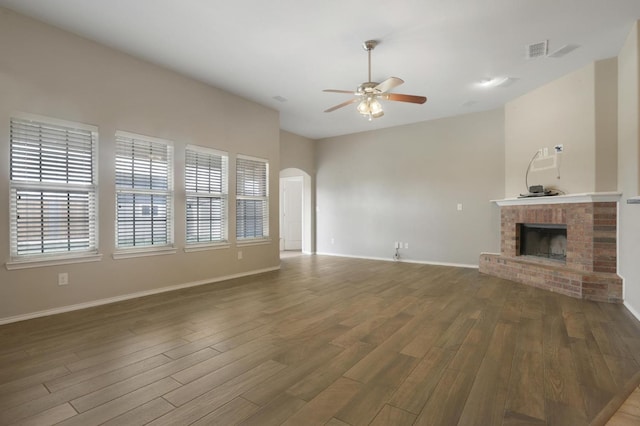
(368, 88)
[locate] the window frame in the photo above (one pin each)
(265, 237)
(90, 254)
(223, 195)
(168, 247)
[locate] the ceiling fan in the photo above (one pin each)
(370, 93)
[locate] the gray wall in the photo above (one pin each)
(53, 73)
(404, 184)
(628, 168)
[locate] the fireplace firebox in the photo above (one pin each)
(547, 241)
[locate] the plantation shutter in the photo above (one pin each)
(144, 191)
(252, 198)
(206, 174)
(53, 187)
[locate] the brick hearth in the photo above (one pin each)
(590, 268)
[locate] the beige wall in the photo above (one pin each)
(297, 154)
(628, 168)
(404, 184)
(577, 111)
(50, 72)
(606, 131)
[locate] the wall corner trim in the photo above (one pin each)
(69, 308)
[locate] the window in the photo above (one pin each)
(206, 174)
(252, 198)
(53, 188)
(144, 192)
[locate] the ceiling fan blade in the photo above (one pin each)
(339, 91)
(344, 104)
(405, 98)
(389, 84)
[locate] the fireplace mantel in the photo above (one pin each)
(588, 197)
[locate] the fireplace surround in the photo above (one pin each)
(588, 267)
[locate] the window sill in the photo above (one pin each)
(203, 247)
(51, 261)
(256, 242)
(153, 251)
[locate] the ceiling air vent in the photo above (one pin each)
(536, 50)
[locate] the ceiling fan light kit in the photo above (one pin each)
(370, 107)
(369, 94)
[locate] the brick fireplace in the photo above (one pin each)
(588, 271)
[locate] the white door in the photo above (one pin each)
(292, 213)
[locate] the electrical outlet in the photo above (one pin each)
(406, 245)
(545, 152)
(63, 278)
(333, 241)
(459, 207)
(397, 245)
(239, 254)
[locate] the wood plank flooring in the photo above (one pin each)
(629, 412)
(326, 341)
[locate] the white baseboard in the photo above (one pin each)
(626, 304)
(422, 262)
(99, 302)
(632, 310)
(351, 256)
(427, 262)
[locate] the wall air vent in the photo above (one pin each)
(536, 50)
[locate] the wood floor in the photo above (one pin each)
(326, 341)
(629, 412)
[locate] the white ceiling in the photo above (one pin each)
(260, 49)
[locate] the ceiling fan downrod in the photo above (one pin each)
(369, 45)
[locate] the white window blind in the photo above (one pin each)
(53, 188)
(252, 198)
(206, 174)
(144, 191)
